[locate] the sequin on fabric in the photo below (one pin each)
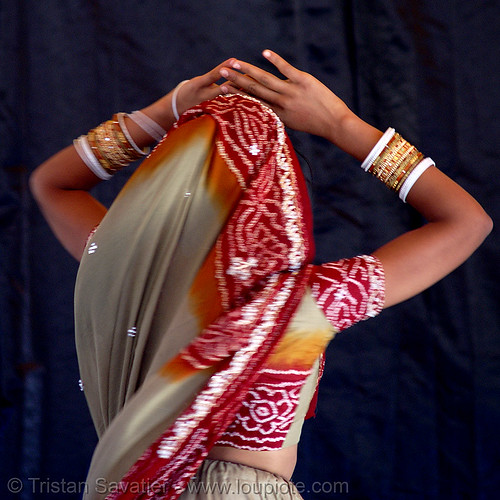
(92, 247)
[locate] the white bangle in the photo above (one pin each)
(148, 125)
(121, 122)
(85, 152)
(414, 176)
(174, 99)
(378, 148)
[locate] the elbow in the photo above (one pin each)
(35, 184)
(480, 224)
(484, 222)
(487, 225)
(40, 186)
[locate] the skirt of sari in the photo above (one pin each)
(221, 480)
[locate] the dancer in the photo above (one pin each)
(200, 320)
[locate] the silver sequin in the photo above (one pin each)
(92, 248)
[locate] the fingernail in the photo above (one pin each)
(224, 73)
(266, 53)
(236, 65)
(224, 89)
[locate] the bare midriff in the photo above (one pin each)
(280, 462)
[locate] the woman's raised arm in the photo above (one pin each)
(412, 262)
(62, 183)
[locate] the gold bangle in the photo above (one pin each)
(403, 165)
(107, 150)
(387, 157)
(111, 147)
(123, 140)
(395, 162)
(110, 151)
(408, 171)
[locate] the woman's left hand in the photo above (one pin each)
(202, 88)
(303, 103)
(301, 100)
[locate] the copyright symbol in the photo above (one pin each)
(15, 485)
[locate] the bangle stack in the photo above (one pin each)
(108, 147)
(396, 162)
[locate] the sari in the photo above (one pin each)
(185, 292)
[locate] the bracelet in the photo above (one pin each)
(377, 149)
(414, 176)
(121, 120)
(174, 99)
(83, 149)
(396, 162)
(148, 125)
(111, 148)
(108, 147)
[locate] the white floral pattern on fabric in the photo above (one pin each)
(265, 417)
(349, 290)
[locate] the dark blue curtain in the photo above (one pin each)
(410, 401)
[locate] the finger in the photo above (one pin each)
(251, 85)
(211, 92)
(263, 77)
(238, 90)
(284, 67)
(228, 87)
(214, 74)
